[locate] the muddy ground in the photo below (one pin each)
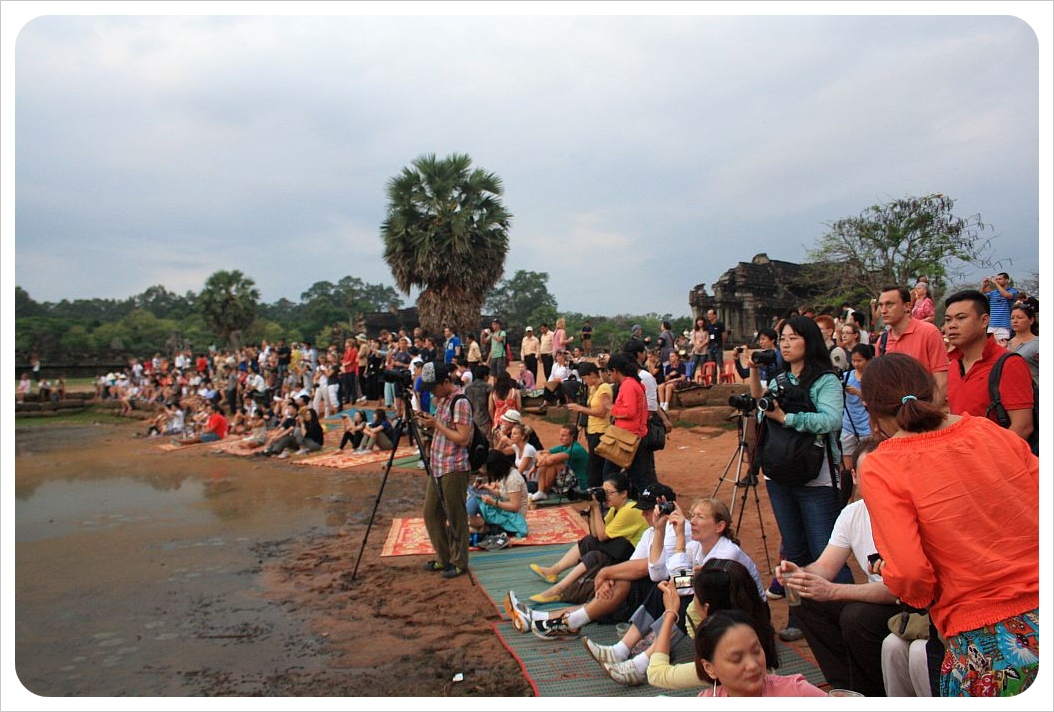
(148, 573)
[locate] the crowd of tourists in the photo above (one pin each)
(880, 445)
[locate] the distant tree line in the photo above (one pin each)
(228, 312)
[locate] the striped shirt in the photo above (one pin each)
(999, 307)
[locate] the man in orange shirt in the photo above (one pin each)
(918, 339)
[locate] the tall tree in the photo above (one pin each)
(228, 302)
(522, 298)
(446, 231)
(896, 242)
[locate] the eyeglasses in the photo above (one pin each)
(1025, 307)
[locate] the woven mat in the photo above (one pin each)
(170, 446)
(408, 537)
(563, 668)
(343, 459)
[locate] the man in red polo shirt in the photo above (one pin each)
(975, 353)
(913, 337)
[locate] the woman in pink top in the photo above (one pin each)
(923, 308)
(560, 337)
(728, 653)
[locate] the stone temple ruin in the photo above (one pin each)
(755, 294)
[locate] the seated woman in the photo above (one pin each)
(312, 436)
(257, 433)
(675, 378)
(498, 503)
(354, 430)
(666, 616)
(729, 655)
(524, 454)
(611, 539)
(526, 381)
(378, 433)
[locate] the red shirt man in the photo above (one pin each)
(975, 353)
(918, 339)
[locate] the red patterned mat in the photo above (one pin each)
(342, 459)
(552, 525)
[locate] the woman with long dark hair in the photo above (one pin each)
(629, 412)
(730, 655)
(810, 401)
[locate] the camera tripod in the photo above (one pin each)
(746, 483)
(408, 423)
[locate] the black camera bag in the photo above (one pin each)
(787, 456)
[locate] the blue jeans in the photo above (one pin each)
(805, 516)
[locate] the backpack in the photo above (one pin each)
(996, 405)
(791, 457)
(478, 447)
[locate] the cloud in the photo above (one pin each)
(654, 150)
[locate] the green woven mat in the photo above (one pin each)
(563, 668)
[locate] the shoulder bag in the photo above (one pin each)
(618, 446)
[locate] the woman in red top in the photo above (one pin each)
(629, 412)
(954, 504)
(504, 397)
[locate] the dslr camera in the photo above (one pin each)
(742, 402)
(399, 377)
(765, 357)
(598, 493)
(770, 399)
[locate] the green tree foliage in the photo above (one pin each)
(164, 304)
(896, 242)
(228, 303)
(446, 231)
(522, 299)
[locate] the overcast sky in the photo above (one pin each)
(640, 155)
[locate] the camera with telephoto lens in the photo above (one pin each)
(764, 357)
(666, 508)
(771, 398)
(743, 402)
(598, 493)
(399, 377)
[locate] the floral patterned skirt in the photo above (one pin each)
(997, 660)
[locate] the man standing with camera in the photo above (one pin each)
(446, 518)
(1001, 298)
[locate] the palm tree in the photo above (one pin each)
(446, 230)
(228, 303)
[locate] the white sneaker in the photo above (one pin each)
(301, 451)
(283, 455)
(626, 673)
(539, 496)
(520, 614)
(601, 653)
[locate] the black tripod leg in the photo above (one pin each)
(397, 435)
